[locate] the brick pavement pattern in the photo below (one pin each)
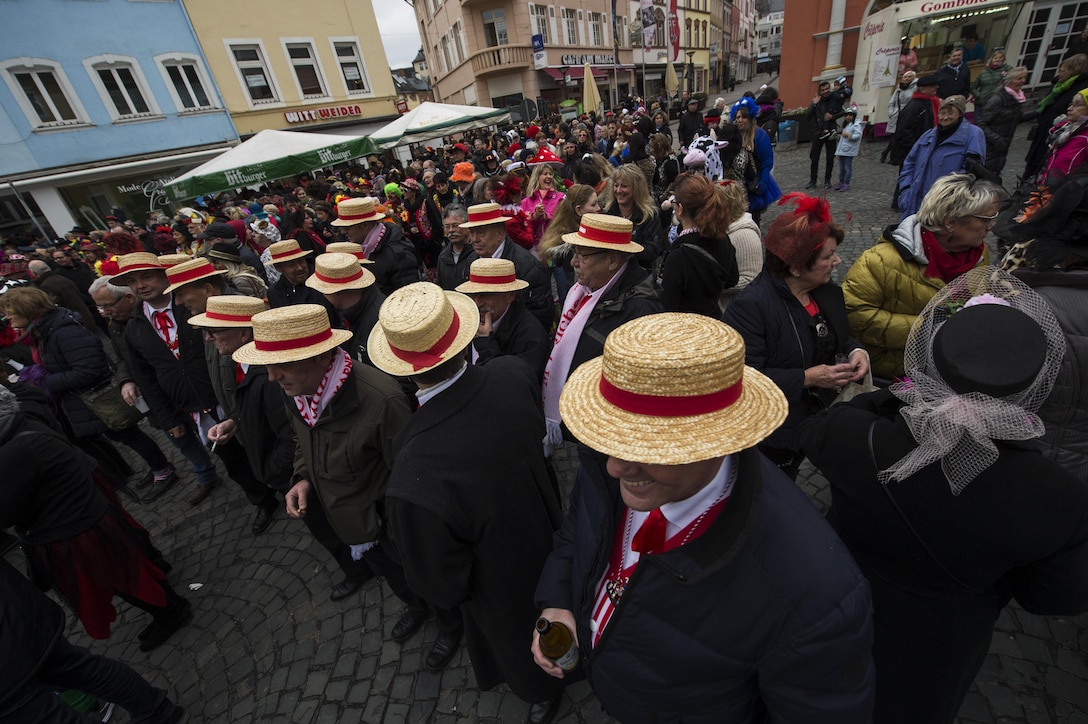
(266, 644)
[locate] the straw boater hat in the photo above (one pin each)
(169, 260)
(229, 310)
(419, 327)
(190, 271)
(338, 272)
(350, 212)
(492, 275)
(289, 334)
(603, 231)
(138, 261)
(348, 247)
(483, 214)
(671, 388)
(286, 250)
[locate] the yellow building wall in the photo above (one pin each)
(271, 24)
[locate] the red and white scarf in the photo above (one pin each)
(311, 406)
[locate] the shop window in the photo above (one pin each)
(539, 15)
(253, 72)
(186, 81)
(308, 74)
(495, 27)
(44, 93)
(122, 86)
(352, 69)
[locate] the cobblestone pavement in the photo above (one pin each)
(266, 644)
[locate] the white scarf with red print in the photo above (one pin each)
(311, 406)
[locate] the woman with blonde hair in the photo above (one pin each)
(244, 277)
(757, 144)
(542, 196)
(553, 251)
(743, 234)
(631, 200)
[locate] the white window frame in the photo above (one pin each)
(538, 15)
(596, 30)
(166, 60)
(315, 58)
(277, 98)
(27, 64)
(458, 32)
(110, 61)
(368, 91)
(569, 21)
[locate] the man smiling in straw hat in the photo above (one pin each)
(349, 286)
(609, 291)
(473, 522)
(394, 257)
(506, 328)
(486, 228)
(705, 583)
(343, 415)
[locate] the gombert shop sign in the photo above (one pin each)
(322, 114)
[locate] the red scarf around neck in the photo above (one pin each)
(934, 100)
(945, 265)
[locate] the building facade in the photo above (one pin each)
(480, 52)
(90, 126)
(861, 39)
(278, 68)
(769, 43)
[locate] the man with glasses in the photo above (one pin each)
(609, 291)
(455, 258)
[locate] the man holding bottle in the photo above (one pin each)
(699, 582)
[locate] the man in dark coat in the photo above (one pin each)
(674, 515)
(954, 76)
(73, 269)
(393, 257)
(506, 328)
(290, 261)
(824, 112)
(349, 287)
(454, 260)
(486, 228)
(36, 660)
(473, 523)
(691, 123)
(166, 361)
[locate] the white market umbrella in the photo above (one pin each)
(268, 155)
(428, 120)
(591, 95)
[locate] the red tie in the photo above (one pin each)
(650, 538)
(163, 323)
(239, 373)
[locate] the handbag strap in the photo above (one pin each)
(914, 531)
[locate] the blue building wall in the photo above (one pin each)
(70, 31)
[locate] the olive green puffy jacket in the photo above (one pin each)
(885, 290)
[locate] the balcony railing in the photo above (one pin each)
(500, 58)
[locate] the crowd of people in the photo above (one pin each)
(587, 285)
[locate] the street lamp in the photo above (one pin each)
(563, 69)
(691, 71)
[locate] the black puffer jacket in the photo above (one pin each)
(74, 357)
(998, 119)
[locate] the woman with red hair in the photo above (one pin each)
(793, 320)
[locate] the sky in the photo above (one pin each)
(400, 33)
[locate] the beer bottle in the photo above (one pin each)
(557, 644)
